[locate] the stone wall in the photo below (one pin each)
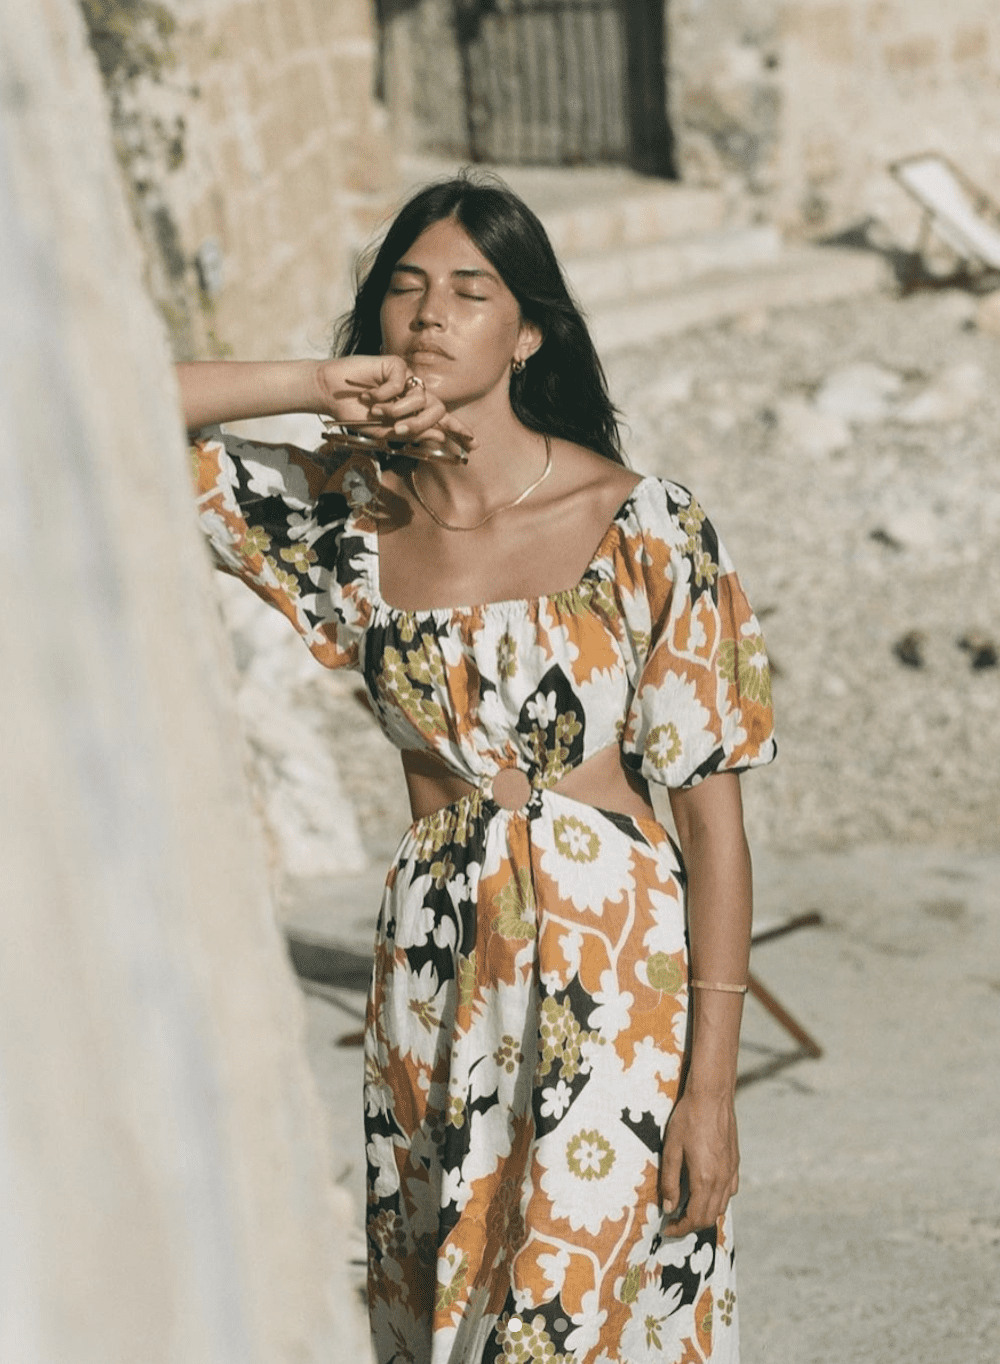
(806, 102)
(258, 162)
(163, 1176)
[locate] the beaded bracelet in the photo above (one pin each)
(717, 985)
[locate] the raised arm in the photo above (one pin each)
(353, 388)
(701, 1134)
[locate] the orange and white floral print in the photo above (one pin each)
(528, 1009)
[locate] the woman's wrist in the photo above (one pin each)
(214, 391)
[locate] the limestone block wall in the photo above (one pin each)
(163, 1177)
(804, 102)
(258, 159)
(288, 162)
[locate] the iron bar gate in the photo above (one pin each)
(566, 82)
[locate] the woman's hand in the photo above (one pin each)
(364, 388)
(353, 388)
(701, 1141)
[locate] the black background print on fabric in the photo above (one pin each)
(545, 737)
(706, 539)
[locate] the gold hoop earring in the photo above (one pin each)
(518, 366)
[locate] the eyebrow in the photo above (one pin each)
(404, 267)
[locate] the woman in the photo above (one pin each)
(549, 1090)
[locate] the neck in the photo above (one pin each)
(507, 456)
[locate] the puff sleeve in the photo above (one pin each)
(702, 697)
(274, 518)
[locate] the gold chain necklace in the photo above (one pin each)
(506, 506)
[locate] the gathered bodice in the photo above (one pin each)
(654, 649)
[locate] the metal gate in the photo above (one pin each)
(566, 82)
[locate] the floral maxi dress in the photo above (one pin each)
(528, 1010)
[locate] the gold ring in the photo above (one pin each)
(414, 381)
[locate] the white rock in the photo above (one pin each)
(673, 388)
(947, 398)
(859, 393)
(813, 433)
(308, 814)
(988, 314)
(914, 528)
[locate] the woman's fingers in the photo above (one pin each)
(359, 388)
(671, 1166)
(701, 1142)
(703, 1210)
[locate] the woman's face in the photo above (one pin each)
(451, 317)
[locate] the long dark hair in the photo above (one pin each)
(562, 390)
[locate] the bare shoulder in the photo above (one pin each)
(581, 476)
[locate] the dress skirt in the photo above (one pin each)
(526, 1029)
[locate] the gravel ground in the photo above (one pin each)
(848, 456)
(868, 1218)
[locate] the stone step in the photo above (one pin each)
(615, 276)
(591, 209)
(621, 213)
(800, 276)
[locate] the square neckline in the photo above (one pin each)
(374, 574)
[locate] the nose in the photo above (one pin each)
(430, 312)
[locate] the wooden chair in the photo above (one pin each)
(961, 215)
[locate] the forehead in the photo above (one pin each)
(445, 246)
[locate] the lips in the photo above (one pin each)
(427, 350)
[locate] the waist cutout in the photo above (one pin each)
(602, 780)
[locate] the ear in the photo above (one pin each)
(529, 339)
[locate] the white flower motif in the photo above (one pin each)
(356, 490)
(650, 1337)
(416, 1011)
(591, 1166)
(650, 1080)
(543, 710)
(557, 976)
(555, 1100)
(573, 844)
(222, 539)
(613, 1005)
(588, 1323)
(679, 742)
(381, 1154)
(554, 1268)
(415, 921)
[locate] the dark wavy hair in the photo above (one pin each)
(562, 390)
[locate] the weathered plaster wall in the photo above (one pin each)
(805, 102)
(163, 1176)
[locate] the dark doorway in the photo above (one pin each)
(566, 82)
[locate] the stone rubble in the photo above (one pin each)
(847, 454)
